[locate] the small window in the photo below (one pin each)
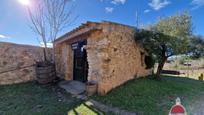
(149, 61)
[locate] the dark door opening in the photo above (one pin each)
(80, 61)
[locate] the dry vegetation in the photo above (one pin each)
(194, 70)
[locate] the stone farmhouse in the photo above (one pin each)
(104, 52)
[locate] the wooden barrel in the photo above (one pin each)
(45, 73)
(91, 89)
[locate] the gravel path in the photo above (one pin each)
(108, 109)
(197, 107)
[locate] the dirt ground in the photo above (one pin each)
(193, 71)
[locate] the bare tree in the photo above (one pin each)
(48, 18)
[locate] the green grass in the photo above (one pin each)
(150, 97)
(146, 96)
(33, 99)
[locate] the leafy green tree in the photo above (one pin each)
(196, 46)
(168, 37)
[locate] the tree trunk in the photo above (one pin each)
(53, 53)
(54, 59)
(162, 61)
(160, 67)
(45, 56)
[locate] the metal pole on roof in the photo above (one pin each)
(137, 14)
(137, 19)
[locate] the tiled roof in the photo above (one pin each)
(86, 27)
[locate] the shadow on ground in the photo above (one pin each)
(31, 98)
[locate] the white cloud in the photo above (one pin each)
(197, 3)
(109, 9)
(3, 36)
(118, 2)
(158, 4)
(146, 11)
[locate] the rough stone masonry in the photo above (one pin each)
(113, 55)
(17, 62)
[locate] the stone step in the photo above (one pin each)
(73, 87)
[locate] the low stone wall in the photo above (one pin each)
(17, 62)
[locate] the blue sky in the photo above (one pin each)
(14, 23)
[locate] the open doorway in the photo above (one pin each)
(80, 69)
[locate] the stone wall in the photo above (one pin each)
(114, 57)
(17, 62)
(64, 61)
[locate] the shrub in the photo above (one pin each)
(182, 61)
(149, 61)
